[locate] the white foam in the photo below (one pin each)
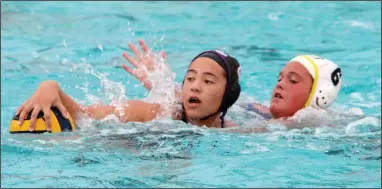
(258, 147)
(357, 96)
(274, 15)
(367, 105)
(163, 82)
(274, 136)
(371, 123)
(100, 47)
(355, 111)
(322, 131)
(310, 115)
(359, 24)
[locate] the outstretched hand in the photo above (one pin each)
(143, 63)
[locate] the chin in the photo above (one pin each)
(195, 114)
(273, 110)
(279, 112)
(274, 107)
(192, 114)
(276, 111)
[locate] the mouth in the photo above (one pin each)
(277, 95)
(194, 100)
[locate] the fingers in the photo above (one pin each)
(128, 69)
(130, 59)
(62, 109)
(139, 75)
(47, 117)
(34, 115)
(147, 84)
(144, 46)
(24, 112)
(135, 50)
(21, 107)
(131, 71)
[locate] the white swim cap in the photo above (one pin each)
(327, 80)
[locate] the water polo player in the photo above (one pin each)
(306, 80)
(210, 87)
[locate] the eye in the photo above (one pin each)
(293, 79)
(190, 79)
(279, 78)
(208, 82)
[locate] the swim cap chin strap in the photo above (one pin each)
(327, 80)
(312, 91)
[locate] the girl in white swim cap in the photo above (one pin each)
(306, 80)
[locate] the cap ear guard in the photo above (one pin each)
(233, 94)
(327, 80)
(235, 90)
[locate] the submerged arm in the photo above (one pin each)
(258, 108)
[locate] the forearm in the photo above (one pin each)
(71, 106)
(96, 111)
(137, 111)
(258, 108)
(132, 111)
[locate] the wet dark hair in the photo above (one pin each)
(232, 90)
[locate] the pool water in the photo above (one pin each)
(79, 44)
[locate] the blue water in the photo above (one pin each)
(79, 44)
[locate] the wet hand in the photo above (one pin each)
(46, 96)
(142, 63)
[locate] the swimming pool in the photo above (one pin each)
(79, 44)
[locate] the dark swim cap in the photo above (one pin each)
(232, 90)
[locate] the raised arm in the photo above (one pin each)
(143, 64)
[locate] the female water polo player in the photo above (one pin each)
(210, 87)
(306, 80)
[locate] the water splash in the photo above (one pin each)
(163, 82)
(364, 125)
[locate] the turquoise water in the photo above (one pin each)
(79, 44)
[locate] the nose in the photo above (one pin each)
(281, 84)
(195, 86)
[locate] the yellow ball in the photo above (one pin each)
(58, 123)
